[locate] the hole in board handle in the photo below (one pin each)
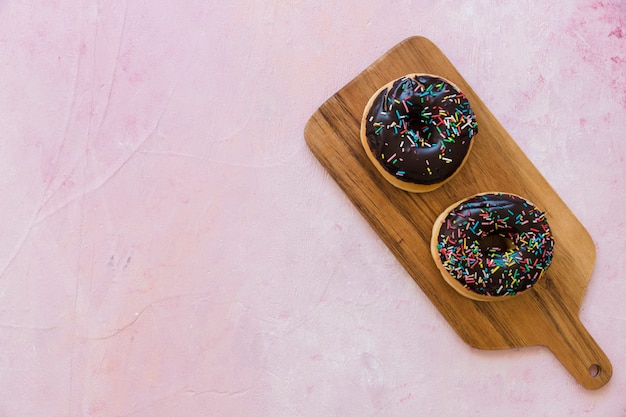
(594, 370)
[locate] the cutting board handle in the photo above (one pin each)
(580, 354)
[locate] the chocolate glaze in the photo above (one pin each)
(420, 129)
(495, 244)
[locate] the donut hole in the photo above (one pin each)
(496, 244)
(421, 125)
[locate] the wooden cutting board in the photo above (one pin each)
(546, 315)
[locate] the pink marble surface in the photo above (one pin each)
(170, 247)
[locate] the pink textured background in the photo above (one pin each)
(170, 247)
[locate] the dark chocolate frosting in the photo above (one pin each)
(495, 244)
(420, 129)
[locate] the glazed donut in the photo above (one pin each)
(417, 131)
(492, 246)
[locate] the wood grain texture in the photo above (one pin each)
(546, 315)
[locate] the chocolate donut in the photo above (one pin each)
(492, 246)
(417, 131)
